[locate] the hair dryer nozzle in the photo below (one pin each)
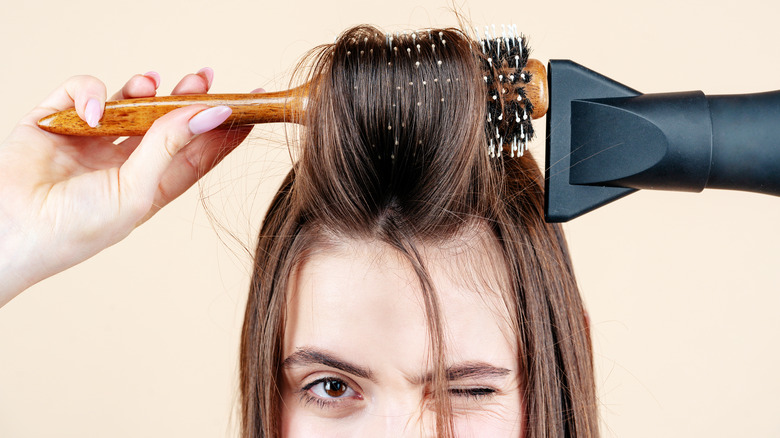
(569, 81)
(604, 140)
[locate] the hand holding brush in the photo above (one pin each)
(66, 198)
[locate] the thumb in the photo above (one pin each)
(141, 174)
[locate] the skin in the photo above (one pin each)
(63, 199)
(356, 350)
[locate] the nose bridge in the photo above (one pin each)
(404, 418)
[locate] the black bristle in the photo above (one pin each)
(503, 61)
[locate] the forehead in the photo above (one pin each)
(364, 300)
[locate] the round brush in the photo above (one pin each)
(516, 92)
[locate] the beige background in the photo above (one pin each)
(142, 339)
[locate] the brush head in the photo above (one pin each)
(504, 60)
(515, 90)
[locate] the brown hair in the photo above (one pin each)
(394, 150)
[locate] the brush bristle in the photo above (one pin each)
(508, 124)
(503, 57)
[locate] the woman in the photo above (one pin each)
(405, 282)
(396, 219)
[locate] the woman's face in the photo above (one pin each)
(356, 347)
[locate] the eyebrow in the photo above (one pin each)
(469, 370)
(465, 370)
(312, 356)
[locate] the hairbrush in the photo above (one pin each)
(516, 94)
(604, 139)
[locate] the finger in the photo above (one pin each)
(202, 155)
(197, 83)
(86, 93)
(195, 161)
(196, 156)
(144, 85)
(141, 174)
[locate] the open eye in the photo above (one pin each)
(330, 388)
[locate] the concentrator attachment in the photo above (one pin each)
(605, 140)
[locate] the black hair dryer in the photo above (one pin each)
(606, 140)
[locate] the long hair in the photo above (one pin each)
(394, 150)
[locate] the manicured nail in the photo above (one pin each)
(153, 75)
(92, 112)
(209, 119)
(258, 91)
(208, 73)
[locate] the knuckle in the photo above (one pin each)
(133, 201)
(170, 132)
(85, 80)
(135, 79)
(85, 85)
(170, 145)
(82, 78)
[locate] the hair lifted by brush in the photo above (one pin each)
(394, 150)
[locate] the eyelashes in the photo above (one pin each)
(328, 391)
(478, 393)
(331, 392)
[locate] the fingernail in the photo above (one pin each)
(153, 75)
(207, 73)
(209, 119)
(258, 90)
(92, 112)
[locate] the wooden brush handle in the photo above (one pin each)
(135, 116)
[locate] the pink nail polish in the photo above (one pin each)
(92, 112)
(209, 119)
(153, 75)
(208, 73)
